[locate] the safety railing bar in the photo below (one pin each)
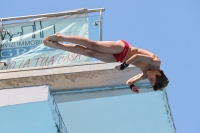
(72, 12)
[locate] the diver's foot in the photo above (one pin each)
(54, 37)
(52, 44)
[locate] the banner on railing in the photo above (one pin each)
(22, 43)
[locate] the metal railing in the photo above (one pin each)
(2, 63)
(98, 22)
(58, 14)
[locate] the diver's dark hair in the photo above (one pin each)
(161, 81)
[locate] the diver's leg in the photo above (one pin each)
(112, 47)
(105, 57)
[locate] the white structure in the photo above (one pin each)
(93, 97)
(29, 110)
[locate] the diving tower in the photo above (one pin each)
(87, 95)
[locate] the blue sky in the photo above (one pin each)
(170, 29)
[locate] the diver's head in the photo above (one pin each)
(157, 79)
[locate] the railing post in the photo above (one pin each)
(100, 25)
(1, 63)
(0, 35)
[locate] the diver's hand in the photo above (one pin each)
(118, 67)
(134, 88)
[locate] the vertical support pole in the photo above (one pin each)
(1, 62)
(100, 26)
(0, 36)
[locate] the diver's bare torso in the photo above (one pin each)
(143, 66)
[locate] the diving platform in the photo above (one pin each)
(71, 77)
(93, 97)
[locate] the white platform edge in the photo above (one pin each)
(23, 95)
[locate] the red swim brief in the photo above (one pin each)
(120, 57)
